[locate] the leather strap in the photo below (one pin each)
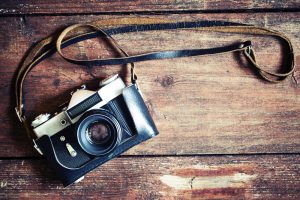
(46, 47)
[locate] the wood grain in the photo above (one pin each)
(208, 109)
(14, 7)
(238, 177)
(201, 105)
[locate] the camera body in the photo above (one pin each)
(95, 127)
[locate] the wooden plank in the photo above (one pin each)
(14, 7)
(201, 105)
(208, 177)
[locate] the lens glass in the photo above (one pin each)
(98, 132)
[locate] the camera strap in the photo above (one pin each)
(110, 27)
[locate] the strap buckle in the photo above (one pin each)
(249, 50)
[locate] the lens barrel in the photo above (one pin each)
(98, 132)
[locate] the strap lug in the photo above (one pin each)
(37, 148)
(21, 119)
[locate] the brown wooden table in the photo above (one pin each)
(224, 133)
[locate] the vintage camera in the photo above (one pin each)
(95, 127)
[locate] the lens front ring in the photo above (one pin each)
(98, 132)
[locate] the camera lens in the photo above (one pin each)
(98, 132)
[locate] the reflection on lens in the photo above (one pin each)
(98, 133)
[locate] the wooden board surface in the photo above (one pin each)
(224, 133)
(15, 7)
(215, 104)
(237, 177)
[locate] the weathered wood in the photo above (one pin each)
(202, 105)
(208, 177)
(13, 7)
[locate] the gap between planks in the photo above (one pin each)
(173, 156)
